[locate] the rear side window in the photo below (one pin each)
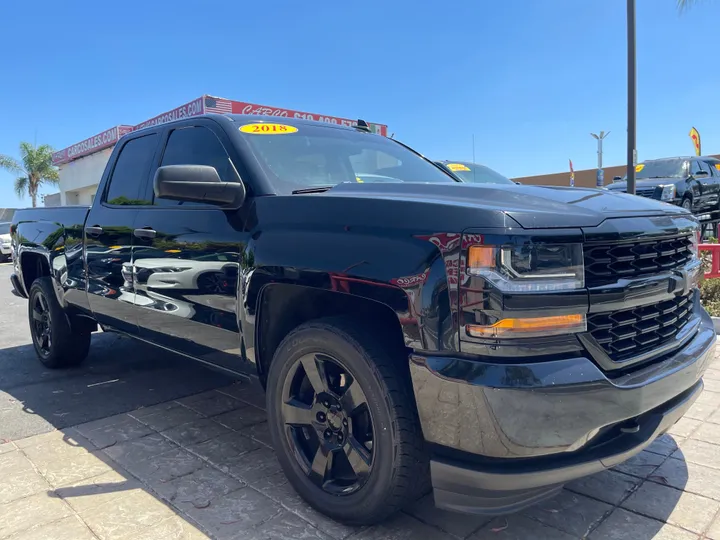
(130, 176)
(196, 146)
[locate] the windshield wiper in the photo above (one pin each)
(316, 189)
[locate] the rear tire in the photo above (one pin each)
(386, 460)
(56, 344)
(687, 204)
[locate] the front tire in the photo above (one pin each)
(687, 204)
(56, 344)
(343, 422)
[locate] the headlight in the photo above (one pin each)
(668, 192)
(695, 244)
(529, 267)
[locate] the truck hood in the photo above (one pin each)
(647, 183)
(530, 206)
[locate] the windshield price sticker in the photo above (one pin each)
(639, 167)
(268, 129)
(717, 166)
(457, 167)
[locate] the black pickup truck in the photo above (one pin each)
(690, 182)
(497, 340)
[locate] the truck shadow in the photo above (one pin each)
(119, 375)
(123, 376)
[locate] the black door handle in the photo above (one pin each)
(144, 233)
(93, 231)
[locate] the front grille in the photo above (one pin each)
(631, 332)
(605, 263)
(645, 192)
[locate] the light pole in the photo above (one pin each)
(599, 181)
(631, 96)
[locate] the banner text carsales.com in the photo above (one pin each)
(193, 108)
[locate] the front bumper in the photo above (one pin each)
(504, 436)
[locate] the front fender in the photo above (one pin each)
(406, 274)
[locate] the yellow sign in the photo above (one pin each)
(457, 167)
(639, 167)
(268, 129)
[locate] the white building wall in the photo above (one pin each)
(79, 179)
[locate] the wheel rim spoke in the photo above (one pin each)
(297, 414)
(358, 457)
(353, 398)
(321, 465)
(43, 303)
(315, 370)
(37, 316)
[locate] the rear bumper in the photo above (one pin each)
(507, 436)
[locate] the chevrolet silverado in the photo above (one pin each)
(489, 342)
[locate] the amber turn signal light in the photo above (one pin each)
(481, 257)
(531, 327)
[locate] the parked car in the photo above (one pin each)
(5, 247)
(690, 182)
(488, 341)
(474, 173)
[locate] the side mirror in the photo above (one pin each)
(197, 183)
(617, 178)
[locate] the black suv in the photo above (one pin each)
(690, 182)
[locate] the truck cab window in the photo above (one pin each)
(130, 176)
(695, 167)
(196, 146)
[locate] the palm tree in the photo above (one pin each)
(35, 168)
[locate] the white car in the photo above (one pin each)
(5, 247)
(206, 276)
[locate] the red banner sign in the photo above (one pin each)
(194, 108)
(93, 144)
(241, 107)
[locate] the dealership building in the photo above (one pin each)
(81, 165)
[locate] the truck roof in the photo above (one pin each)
(242, 119)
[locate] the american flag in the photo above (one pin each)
(218, 105)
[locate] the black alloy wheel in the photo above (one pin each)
(42, 324)
(213, 282)
(59, 339)
(328, 424)
(343, 421)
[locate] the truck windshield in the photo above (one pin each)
(665, 168)
(317, 156)
(474, 173)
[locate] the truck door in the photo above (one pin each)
(109, 233)
(187, 258)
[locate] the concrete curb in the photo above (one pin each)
(716, 322)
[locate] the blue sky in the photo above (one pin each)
(529, 79)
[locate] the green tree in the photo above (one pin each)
(35, 169)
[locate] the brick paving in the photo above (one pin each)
(202, 467)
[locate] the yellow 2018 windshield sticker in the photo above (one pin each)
(717, 166)
(457, 167)
(639, 167)
(268, 129)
